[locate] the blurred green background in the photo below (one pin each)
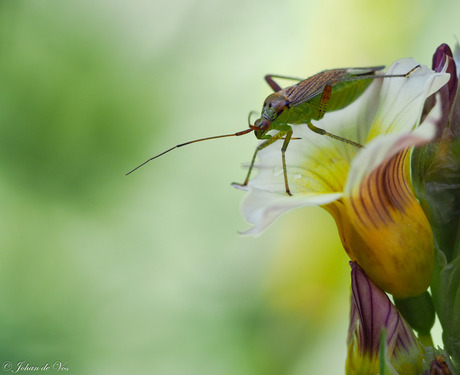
(147, 273)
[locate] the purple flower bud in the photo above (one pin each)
(371, 313)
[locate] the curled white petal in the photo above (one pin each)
(402, 99)
(261, 208)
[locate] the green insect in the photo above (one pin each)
(329, 90)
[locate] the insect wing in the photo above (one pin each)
(313, 86)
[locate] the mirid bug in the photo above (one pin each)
(309, 99)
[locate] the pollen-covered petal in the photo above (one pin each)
(317, 169)
(402, 98)
(316, 176)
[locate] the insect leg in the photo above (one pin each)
(283, 156)
(363, 76)
(275, 87)
(324, 132)
(326, 95)
(324, 101)
(322, 108)
(260, 147)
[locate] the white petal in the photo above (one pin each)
(261, 208)
(315, 164)
(402, 98)
(386, 146)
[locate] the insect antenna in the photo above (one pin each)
(246, 131)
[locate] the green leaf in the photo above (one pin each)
(446, 296)
(418, 311)
(382, 352)
(436, 180)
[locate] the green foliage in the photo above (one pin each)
(383, 352)
(436, 172)
(418, 311)
(71, 108)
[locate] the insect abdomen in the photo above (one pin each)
(345, 93)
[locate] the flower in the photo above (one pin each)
(368, 191)
(371, 313)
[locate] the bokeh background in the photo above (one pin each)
(147, 274)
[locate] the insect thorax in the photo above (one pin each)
(274, 106)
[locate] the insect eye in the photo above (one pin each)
(264, 124)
